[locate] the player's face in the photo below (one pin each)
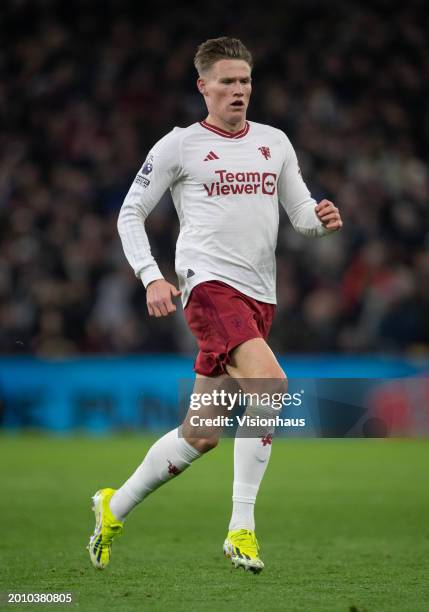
(226, 89)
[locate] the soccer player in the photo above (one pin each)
(227, 176)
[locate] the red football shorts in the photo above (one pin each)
(221, 318)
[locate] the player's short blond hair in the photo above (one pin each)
(215, 49)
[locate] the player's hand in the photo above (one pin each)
(329, 215)
(159, 294)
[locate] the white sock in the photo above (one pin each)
(168, 457)
(251, 456)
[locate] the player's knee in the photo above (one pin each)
(272, 395)
(204, 445)
(279, 393)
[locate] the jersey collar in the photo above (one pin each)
(224, 133)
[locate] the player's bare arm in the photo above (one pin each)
(329, 215)
(159, 294)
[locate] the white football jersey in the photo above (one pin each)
(226, 189)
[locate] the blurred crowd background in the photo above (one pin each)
(87, 87)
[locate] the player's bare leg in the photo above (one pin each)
(252, 363)
(254, 359)
(202, 437)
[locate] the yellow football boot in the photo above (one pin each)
(107, 528)
(241, 546)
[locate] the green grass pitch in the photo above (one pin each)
(343, 524)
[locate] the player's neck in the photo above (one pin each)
(227, 127)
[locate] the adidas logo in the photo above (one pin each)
(190, 273)
(211, 155)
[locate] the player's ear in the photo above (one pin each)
(201, 84)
